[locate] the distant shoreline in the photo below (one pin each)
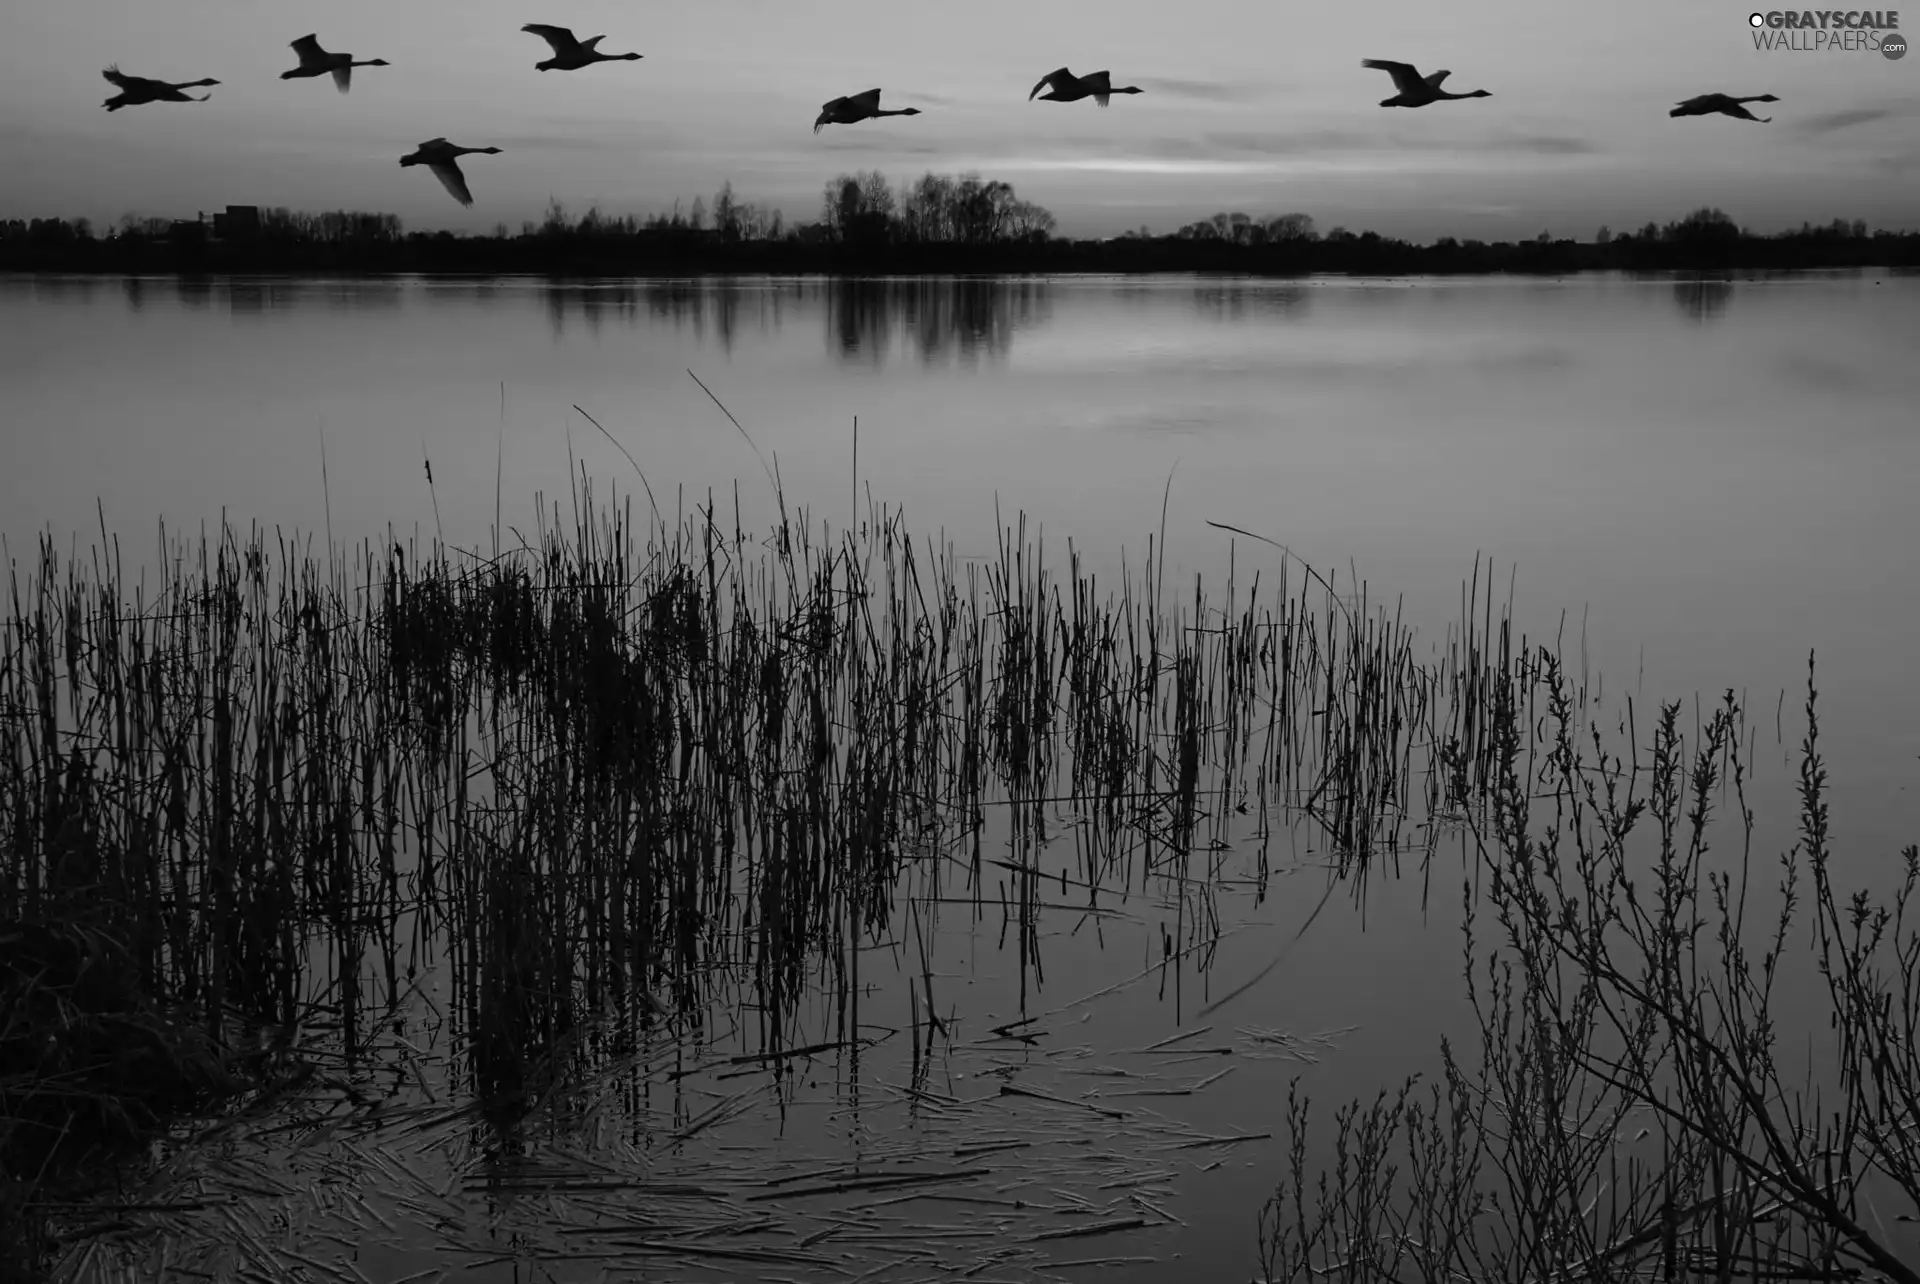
(438, 255)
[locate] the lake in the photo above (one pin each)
(1691, 484)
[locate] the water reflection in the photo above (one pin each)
(1702, 300)
(715, 309)
(937, 318)
(240, 296)
(1239, 301)
(63, 289)
(932, 318)
(256, 296)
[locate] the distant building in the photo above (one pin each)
(238, 223)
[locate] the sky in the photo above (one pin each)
(1249, 105)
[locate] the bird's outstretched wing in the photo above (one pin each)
(1058, 79)
(1100, 84)
(433, 143)
(343, 78)
(1406, 77)
(870, 100)
(1434, 78)
(308, 47)
(559, 37)
(448, 172)
(836, 105)
(117, 77)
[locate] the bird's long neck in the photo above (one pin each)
(895, 111)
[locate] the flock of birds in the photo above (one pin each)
(573, 54)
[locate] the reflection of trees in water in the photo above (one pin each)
(1237, 300)
(254, 296)
(48, 288)
(1703, 300)
(355, 296)
(717, 306)
(593, 303)
(940, 317)
(246, 297)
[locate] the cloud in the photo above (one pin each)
(1833, 120)
(1317, 142)
(547, 142)
(1542, 145)
(876, 143)
(1297, 143)
(1209, 91)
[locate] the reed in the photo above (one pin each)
(624, 769)
(1686, 1066)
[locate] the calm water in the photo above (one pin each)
(1696, 483)
(1716, 476)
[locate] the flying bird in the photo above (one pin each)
(570, 54)
(1069, 88)
(1709, 104)
(135, 90)
(856, 107)
(315, 61)
(442, 157)
(1415, 90)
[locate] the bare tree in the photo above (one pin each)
(726, 213)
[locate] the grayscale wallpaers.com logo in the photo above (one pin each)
(1823, 30)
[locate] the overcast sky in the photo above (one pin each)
(1250, 105)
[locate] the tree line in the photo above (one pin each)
(937, 223)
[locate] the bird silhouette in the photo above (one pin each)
(442, 157)
(1069, 88)
(135, 90)
(857, 107)
(1415, 90)
(315, 61)
(1723, 105)
(570, 54)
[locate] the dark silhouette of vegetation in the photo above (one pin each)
(233, 802)
(1643, 1100)
(937, 224)
(860, 209)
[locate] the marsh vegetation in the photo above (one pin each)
(634, 810)
(633, 787)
